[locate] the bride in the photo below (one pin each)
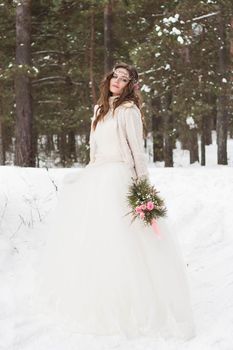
(99, 273)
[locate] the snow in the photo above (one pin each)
(175, 31)
(167, 66)
(190, 122)
(145, 88)
(180, 39)
(199, 201)
(170, 20)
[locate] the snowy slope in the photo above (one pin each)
(199, 201)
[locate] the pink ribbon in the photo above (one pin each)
(155, 227)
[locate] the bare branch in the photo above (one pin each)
(204, 16)
(50, 101)
(56, 52)
(50, 80)
(55, 79)
(46, 52)
(53, 182)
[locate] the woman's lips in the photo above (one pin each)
(115, 86)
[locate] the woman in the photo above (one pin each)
(100, 273)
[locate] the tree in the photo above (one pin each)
(24, 150)
(7, 54)
(179, 56)
(222, 103)
(174, 45)
(108, 36)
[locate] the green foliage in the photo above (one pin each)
(174, 45)
(7, 51)
(179, 56)
(140, 193)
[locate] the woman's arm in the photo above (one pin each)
(134, 134)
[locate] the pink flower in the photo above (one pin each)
(150, 205)
(138, 209)
(143, 206)
(142, 215)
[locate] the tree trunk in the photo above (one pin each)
(157, 130)
(2, 148)
(49, 147)
(203, 140)
(157, 138)
(168, 130)
(210, 118)
(72, 146)
(24, 152)
(108, 37)
(168, 142)
(63, 148)
(208, 127)
(222, 122)
(2, 143)
(193, 146)
(92, 43)
(183, 137)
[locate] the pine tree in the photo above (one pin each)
(24, 152)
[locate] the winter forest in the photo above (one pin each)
(53, 56)
(55, 53)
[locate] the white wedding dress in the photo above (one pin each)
(99, 273)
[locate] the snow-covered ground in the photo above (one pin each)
(199, 201)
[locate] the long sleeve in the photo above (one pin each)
(134, 134)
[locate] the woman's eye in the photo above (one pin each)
(121, 79)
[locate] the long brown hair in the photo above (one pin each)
(129, 93)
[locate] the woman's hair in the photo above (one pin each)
(129, 93)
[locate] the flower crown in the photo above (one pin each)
(134, 80)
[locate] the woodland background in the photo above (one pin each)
(54, 53)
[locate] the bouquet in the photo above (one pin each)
(145, 202)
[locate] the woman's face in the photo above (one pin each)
(118, 81)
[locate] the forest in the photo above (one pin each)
(54, 53)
